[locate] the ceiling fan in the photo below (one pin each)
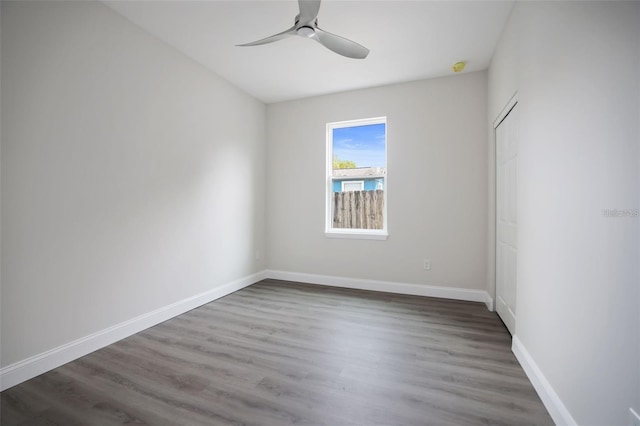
(306, 25)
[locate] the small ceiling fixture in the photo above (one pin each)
(458, 66)
(306, 25)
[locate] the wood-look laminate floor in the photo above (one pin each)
(279, 353)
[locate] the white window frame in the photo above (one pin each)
(369, 234)
(361, 182)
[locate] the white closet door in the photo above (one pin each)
(506, 218)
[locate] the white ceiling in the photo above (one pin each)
(409, 40)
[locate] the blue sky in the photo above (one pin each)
(365, 145)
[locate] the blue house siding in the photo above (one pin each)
(369, 184)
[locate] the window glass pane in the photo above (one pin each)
(359, 147)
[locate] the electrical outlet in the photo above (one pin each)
(634, 418)
(426, 264)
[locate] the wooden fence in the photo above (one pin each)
(358, 209)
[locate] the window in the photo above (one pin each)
(352, 185)
(356, 204)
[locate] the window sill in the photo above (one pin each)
(356, 235)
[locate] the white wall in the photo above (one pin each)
(437, 202)
(637, 403)
(575, 68)
(0, 184)
(132, 177)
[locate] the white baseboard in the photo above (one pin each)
(488, 300)
(549, 397)
(386, 286)
(21, 371)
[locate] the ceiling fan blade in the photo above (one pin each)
(291, 31)
(340, 45)
(308, 11)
